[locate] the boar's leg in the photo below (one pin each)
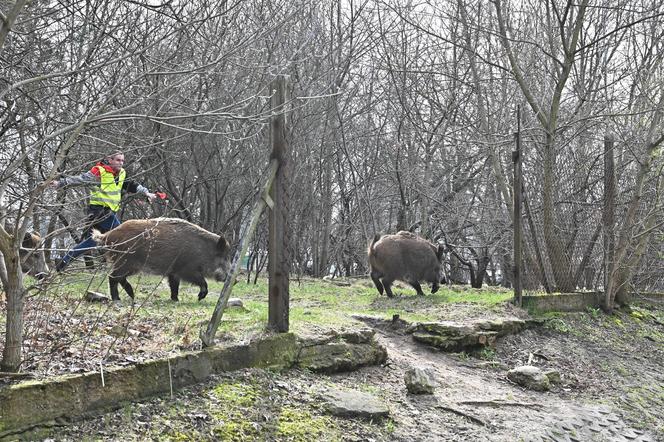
(375, 277)
(434, 287)
(198, 279)
(174, 284)
(204, 289)
(113, 285)
(128, 288)
(416, 285)
(387, 283)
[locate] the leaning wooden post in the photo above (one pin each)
(246, 235)
(608, 216)
(516, 158)
(278, 254)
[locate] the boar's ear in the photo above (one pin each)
(222, 245)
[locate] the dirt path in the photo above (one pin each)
(474, 403)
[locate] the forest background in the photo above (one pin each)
(401, 114)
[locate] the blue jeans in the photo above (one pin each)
(100, 218)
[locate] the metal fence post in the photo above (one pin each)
(518, 231)
(608, 216)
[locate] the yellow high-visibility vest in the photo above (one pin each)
(109, 192)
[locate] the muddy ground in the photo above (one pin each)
(611, 389)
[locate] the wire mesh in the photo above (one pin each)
(563, 220)
(562, 217)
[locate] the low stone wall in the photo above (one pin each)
(32, 403)
(650, 297)
(563, 302)
(578, 301)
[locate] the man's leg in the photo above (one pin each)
(108, 222)
(79, 249)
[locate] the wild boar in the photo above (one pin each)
(32, 257)
(170, 247)
(406, 257)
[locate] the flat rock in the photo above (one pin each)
(338, 352)
(353, 403)
(455, 337)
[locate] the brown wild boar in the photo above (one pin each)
(32, 257)
(406, 257)
(164, 246)
(31, 254)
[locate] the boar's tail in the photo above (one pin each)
(98, 237)
(371, 247)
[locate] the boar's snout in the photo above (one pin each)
(220, 275)
(222, 269)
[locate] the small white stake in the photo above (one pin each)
(170, 377)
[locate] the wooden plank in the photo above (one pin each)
(246, 235)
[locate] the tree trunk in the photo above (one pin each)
(626, 272)
(506, 271)
(13, 285)
(320, 269)
(560, 264)
(624, 262)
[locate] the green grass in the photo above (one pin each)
(313, 303)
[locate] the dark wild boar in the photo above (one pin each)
(406, 257)
(164, 246)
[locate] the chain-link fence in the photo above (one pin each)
(571, 220)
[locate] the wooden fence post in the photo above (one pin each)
(518, 231)
(278, 253)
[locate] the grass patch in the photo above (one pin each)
(301, 426)
(234, 402)
(236, 395)
(312, 301)
(59, 321)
